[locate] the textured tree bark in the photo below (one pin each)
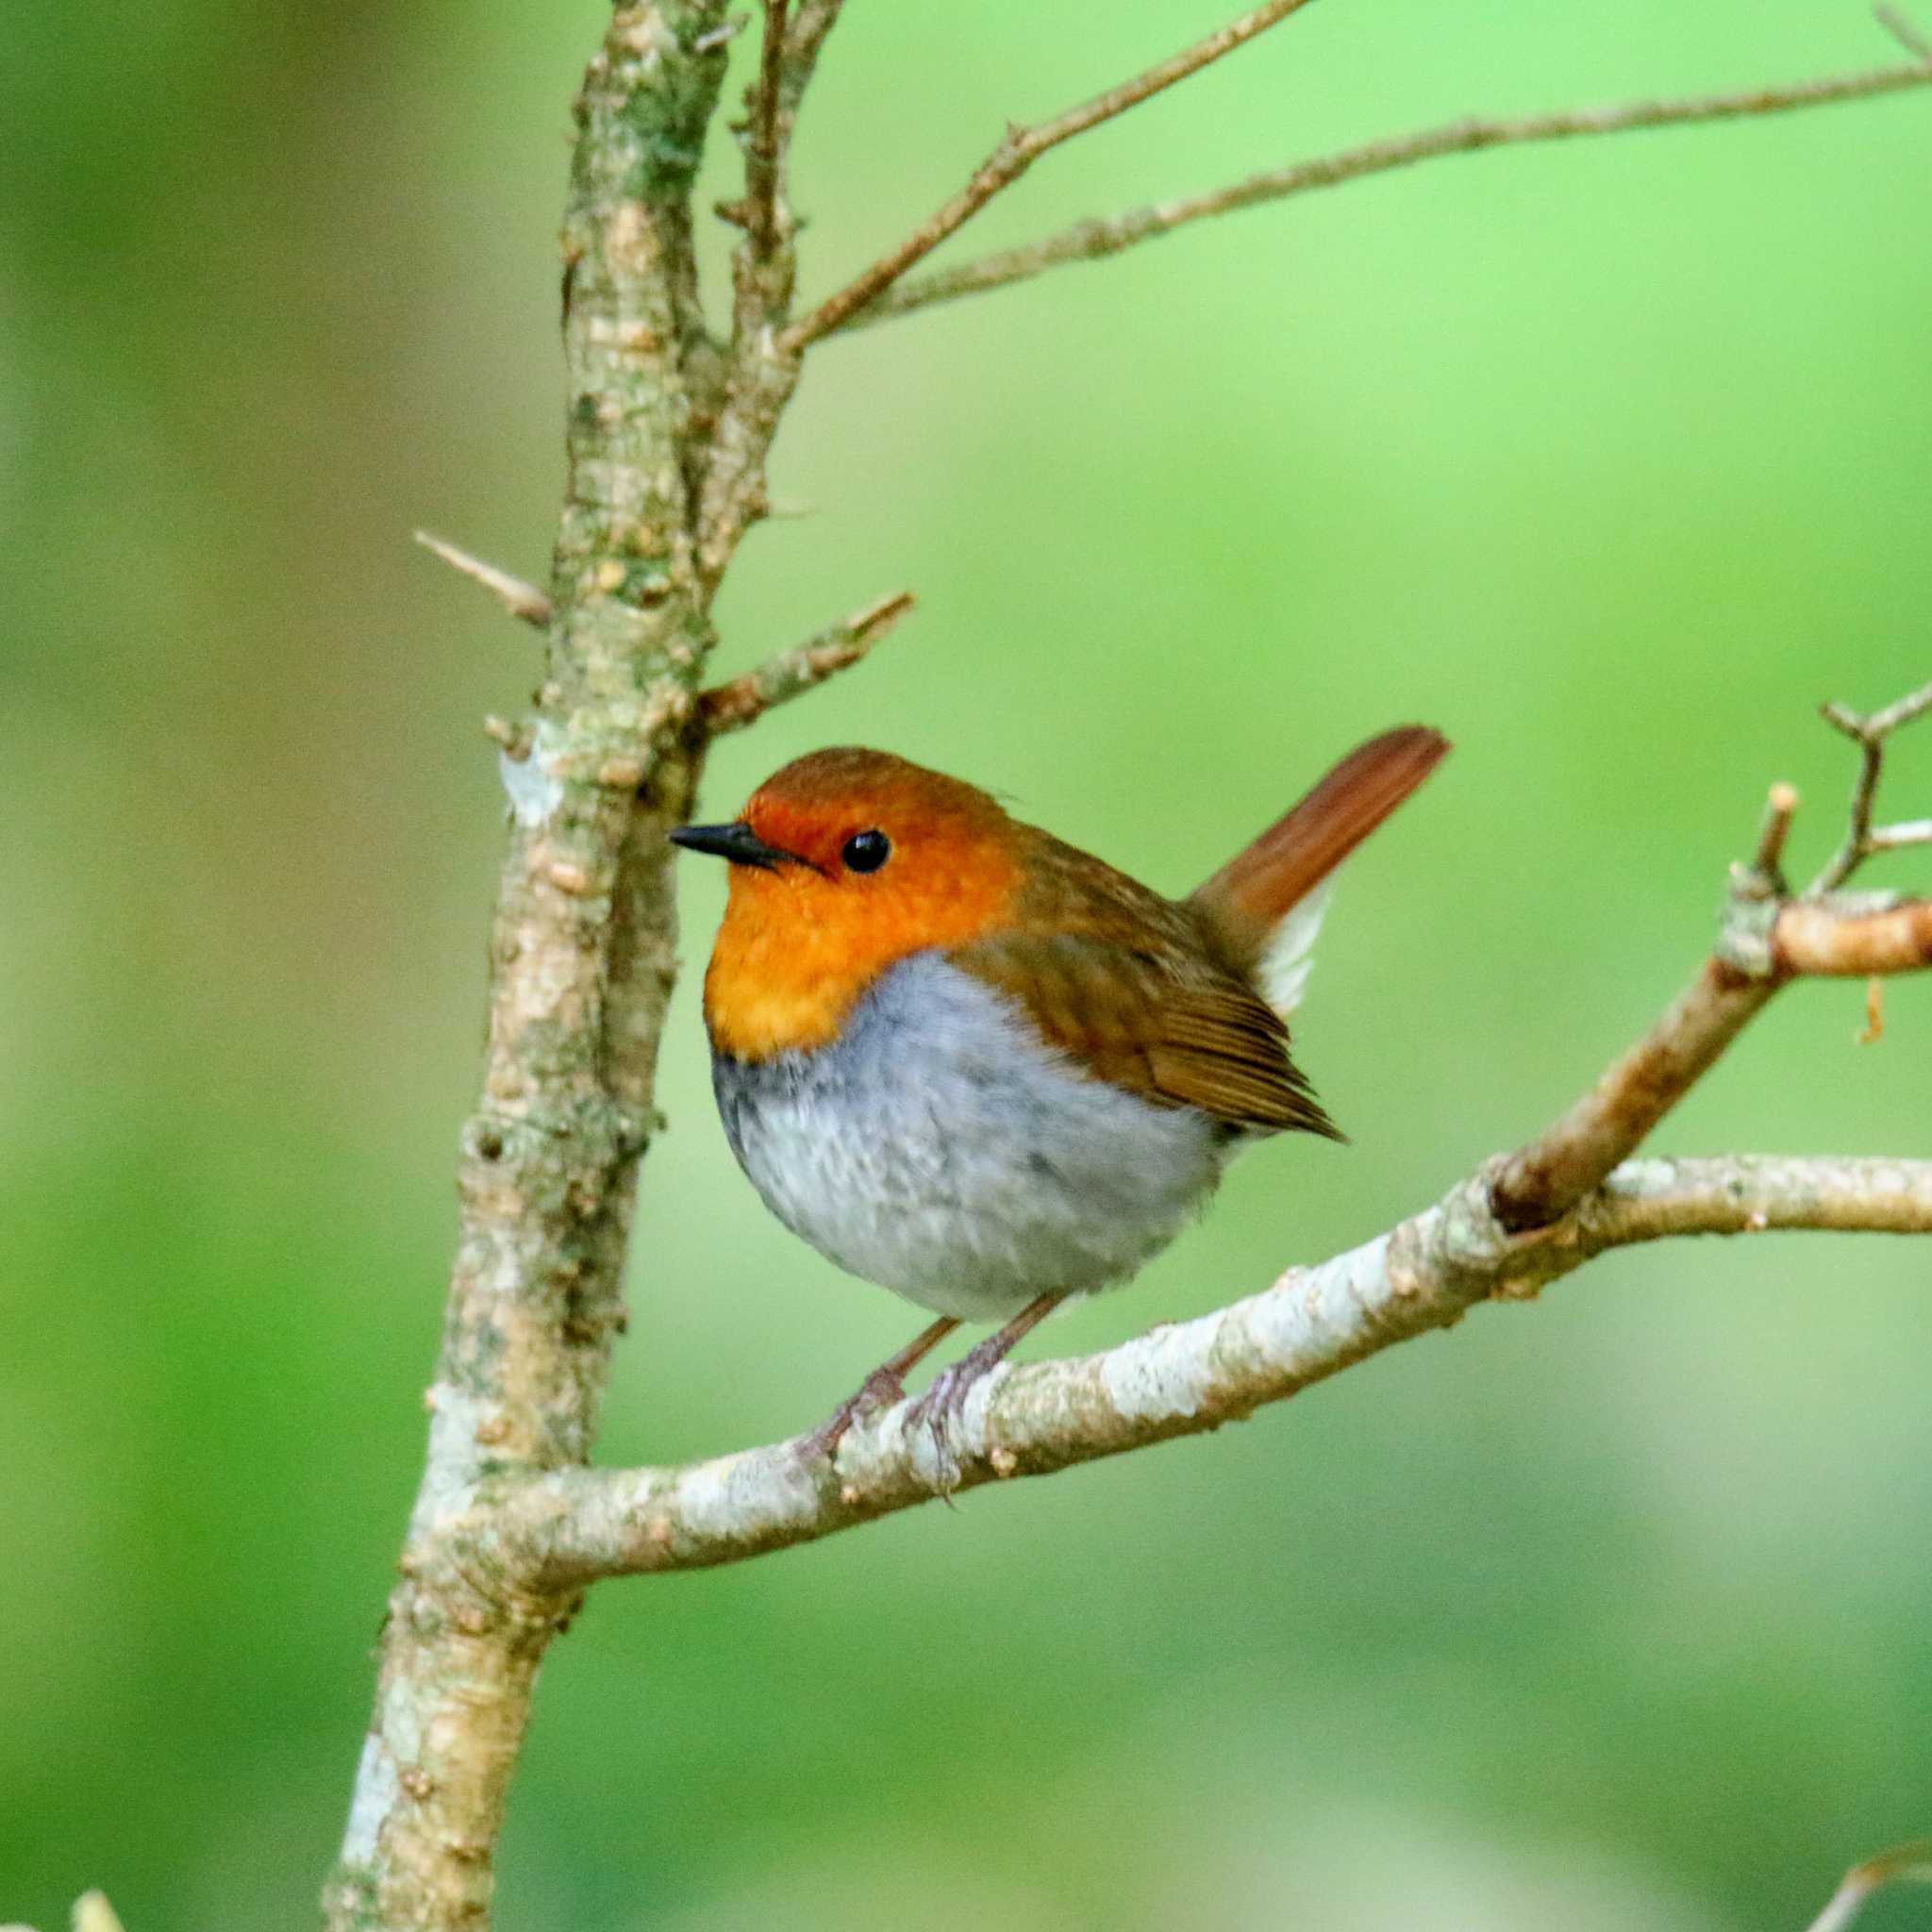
(582, 957)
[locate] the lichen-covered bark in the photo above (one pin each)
(581, 959)
(1184, 1377)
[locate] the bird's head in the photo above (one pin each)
(842, 863)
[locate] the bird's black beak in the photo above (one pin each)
(738, 843)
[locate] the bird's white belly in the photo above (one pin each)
(938, 1148)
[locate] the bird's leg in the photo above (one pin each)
(886, 1384)
(946, 1399)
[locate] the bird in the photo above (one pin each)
(980, 1067)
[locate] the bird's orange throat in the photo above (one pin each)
(796, 950)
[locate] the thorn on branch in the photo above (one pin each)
(519, 598)
(732, 706)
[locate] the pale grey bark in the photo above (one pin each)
(1187, 1378)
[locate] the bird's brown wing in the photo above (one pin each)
(1175, 1032)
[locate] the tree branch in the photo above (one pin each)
(1020, 148)
(1186, 1378)
(1767, 941)
(746, 698)
(582, 954)
(1100, 236)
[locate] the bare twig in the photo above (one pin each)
(1869, 734)
(731, 705)
(519, 598)
(1091, 239)
(1181, 1379)
(1896, 838)
(1020, 148)
(1768, 939)
(1780, 807)
(1904, 31)
(1907, 1864)
(762, 151)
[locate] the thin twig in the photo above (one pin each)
(577, 1526)
(1780, 807)
(1904, 31)
(763, 154)
(1907, 1864)
(731, 705)
(1869, 734)
(1020, 148)
(1896, 838)
(519, 598)
(1101, 236)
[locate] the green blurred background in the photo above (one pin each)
(1611, 1613)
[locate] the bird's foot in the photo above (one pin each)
(879, 1390)
(944, 1403)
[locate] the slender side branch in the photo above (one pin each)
(763, 148)
(1780, 809)
(1904, 31)
(1544, 1180)
(1031, 1420)
(1100, 236)
(519, 598)
(1896, 838)
(1022, 147)
(1869, 734)
(732, 706)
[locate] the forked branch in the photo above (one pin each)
(1769, 939)
(1020, 148)
(1105, 235)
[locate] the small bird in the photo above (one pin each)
(980, 1067)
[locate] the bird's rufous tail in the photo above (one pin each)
(1247, 900)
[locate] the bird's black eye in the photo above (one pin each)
(866, 851)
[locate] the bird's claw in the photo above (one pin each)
(944, 1403)
(879, 1390)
